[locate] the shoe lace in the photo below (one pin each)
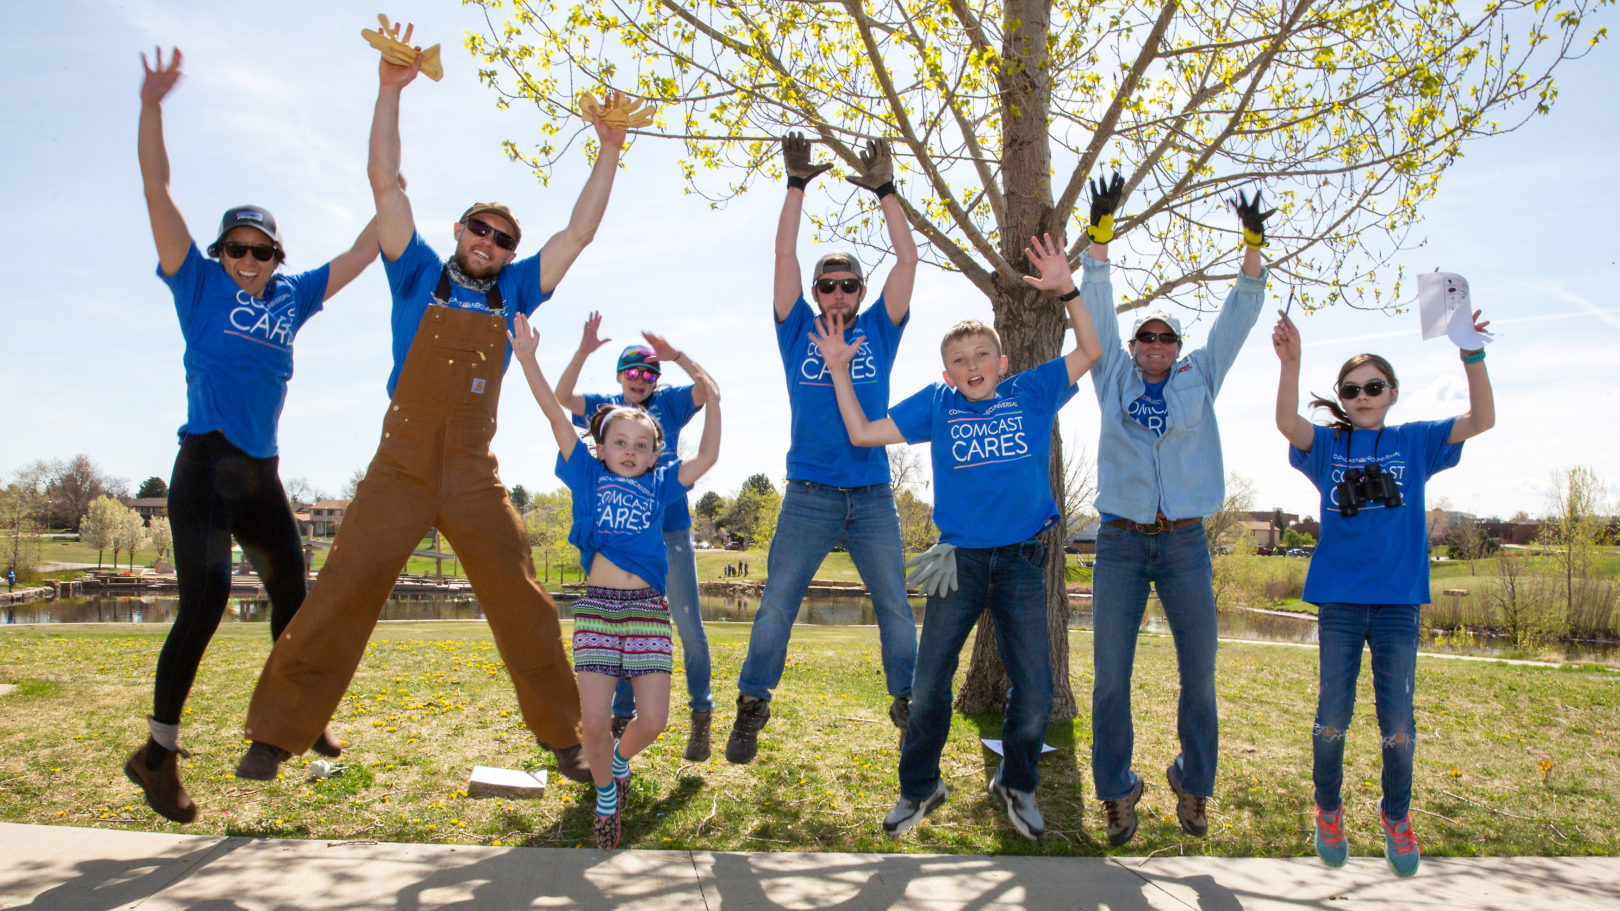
(1406, 841)
(1112, 808)
(1332, 826)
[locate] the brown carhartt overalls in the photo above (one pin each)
(433, 469)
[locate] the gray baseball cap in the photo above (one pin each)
(256, 217)
(837, 262)
(1161, 316)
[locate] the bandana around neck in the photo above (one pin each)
(481, 285)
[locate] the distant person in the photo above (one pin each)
(836, 491)
(11, 580)
(433, 467)
(1159, 474)
(638, 372)
(1370, 573)
(238, 314)
(621, 625)
(992, 500)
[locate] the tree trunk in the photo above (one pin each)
(1032, 326)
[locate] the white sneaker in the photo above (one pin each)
(1021, 809)
(907, 813)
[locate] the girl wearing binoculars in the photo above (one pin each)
(1370, 572)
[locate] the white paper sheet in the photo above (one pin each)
(1446, 309)
(994, 746)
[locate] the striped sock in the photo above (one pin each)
(607, 800)
(621, 765)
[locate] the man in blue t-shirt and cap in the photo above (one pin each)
(1159, 473)
(433, 467)
(836, 491)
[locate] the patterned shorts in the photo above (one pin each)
(622, 633)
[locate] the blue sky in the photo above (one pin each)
(275, 109)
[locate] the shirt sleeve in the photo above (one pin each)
(790, 333)
(875, 321)
(593, 402)
(520, 281)
(914, 414)
(670, 488)
(310, 288)
(575, 471)
(405, 273)
(1046, 386)
(677, 403)
(1439, 454)
(186, 284)
(1311, 463)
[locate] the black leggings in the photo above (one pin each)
(218, 491)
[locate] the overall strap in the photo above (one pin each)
(441, 294)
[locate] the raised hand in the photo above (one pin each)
(588, 340)
(796, 161)
(524, 338)
(1050, 262)
(661, 347)
(612, 123)
(877, 168)
(159, 81)
(1106, 193)
(829, 337)
(1285, 339)
(1254, 220)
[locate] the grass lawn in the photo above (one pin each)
(1513, 760)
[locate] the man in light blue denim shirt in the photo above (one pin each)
(1159, 473)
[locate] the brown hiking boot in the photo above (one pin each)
(1122, 815)
(1189, 808)
(697, 739)
(164, 793)
(261, 761)
(327, 744)
(743, 744)
(572, 764)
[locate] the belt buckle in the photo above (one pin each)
(1161, 524)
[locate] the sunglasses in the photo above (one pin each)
(640, 375)
(1163, 338)
(1373, 389)
(502, 239)
(827, 285)
(235, 249)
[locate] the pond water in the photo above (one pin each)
(819, 610)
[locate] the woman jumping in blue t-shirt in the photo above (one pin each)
(238, 315)
(1370, 572)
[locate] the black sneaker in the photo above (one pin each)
(1122, 815)
(907, 813)
(743, 744)
(1189, 809)
(697, 739)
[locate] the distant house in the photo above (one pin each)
(1260, 534)
(325, 517)
(1082, 536)
(148, 507)
(1511, 532)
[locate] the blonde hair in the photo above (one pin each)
(969, 327)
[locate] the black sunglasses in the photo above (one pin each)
(235, 249)
(502, 239)
(1373, 389)
(850, 285)
(1163, 338)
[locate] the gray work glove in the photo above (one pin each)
(796, 161)
(933, 572)
(877, 168)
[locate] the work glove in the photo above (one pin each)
(933, 572)
(877, 168)
(1105, 196)
(796, 160)
(624, 112)
(1254, 220)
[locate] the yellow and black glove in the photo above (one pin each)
(1254, 220)
(1105, 197)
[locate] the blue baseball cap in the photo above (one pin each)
(639, 356)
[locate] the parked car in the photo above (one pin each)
(734, 545)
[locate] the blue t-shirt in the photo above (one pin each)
(415, 276)
(820, 450)
(619, 517)
(672, 408)
(991, 484)
(239, 348)
(1380, 555)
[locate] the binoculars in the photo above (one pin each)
(1363, 485)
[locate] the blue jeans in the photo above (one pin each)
(681, 589)
(813, 519)
(1391, 632)
(1177, 563)
(1010, 582)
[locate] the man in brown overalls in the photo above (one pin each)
(433, 468)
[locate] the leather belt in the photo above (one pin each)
(1158, 527)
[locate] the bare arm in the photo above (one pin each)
(168, 227)
(395, 222)
(1052, 266)
(348, 265)
(588, 343)
(709, 446)
(1293, 426)
(524, 341)
(702, 383)
(1481, 414)
(829, 337)
(903, 276)
(786, 288)
(564, 247)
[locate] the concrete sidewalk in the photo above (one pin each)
(47, 867)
